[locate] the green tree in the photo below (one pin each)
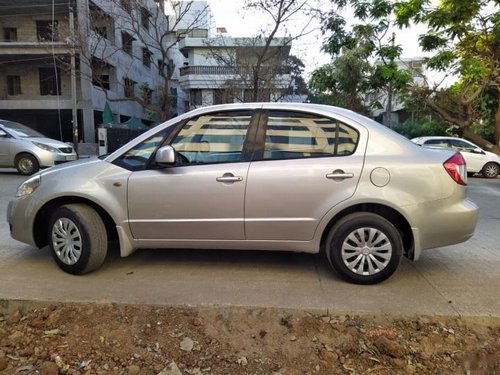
(344, 81)
(464, 37)
(351, 80)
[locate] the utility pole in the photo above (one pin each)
(73, 80)
(390, 93)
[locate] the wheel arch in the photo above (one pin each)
(389, 213)
(24, 152)
(41, 222)
(489, 162)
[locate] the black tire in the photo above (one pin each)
(83, 225)
(386, 250)
(490, 170)
(26, 164)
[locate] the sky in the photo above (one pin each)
(229, 14)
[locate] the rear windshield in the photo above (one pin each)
(20, 129)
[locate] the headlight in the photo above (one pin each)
(29, 186)
(45, 147)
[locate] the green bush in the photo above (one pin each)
(422, 127)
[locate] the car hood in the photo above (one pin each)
(48, 141)
(69, 167)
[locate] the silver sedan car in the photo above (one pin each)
(28, 150)
(266, 176)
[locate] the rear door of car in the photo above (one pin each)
(474, 160)
(202, 196)
(306, 165)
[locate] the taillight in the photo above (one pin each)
(455, 166)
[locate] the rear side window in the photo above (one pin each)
(292, 135)
(437, 143)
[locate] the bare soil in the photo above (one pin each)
(118, 339)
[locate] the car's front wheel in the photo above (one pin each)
(77, 238)
(364, 248)
(26, 164)
(490, 170)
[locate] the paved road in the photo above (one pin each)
(458, 280)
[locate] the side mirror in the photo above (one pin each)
(165, 155)
(478, 151)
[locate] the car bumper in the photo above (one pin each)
(20, 216)
(49, 159)
(442, 224)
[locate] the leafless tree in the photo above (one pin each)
(259, 66)
(156, 29)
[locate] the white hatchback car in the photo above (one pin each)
(477, 160)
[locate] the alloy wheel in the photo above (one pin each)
(66, 241)
(366, 251)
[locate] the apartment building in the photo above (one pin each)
(222, 69)
(117, 62)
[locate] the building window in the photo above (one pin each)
(222, 96)
(127, 5)
(101, 80)
(146, 57)
(195, 97)
(13, 85)
(47, 31)
(10, 34)
(127, 40)
(161, 68)
(102, 73)
(194, 33)
(102, 31)
(50, 81)
(145, 18)
(129, 86)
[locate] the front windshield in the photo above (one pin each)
(20, 130)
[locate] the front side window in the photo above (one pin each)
(301, 135)
(459, 145)
(213, 138)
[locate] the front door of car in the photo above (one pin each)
(308, 165)
(201, 197)
(475, 161)
(4, 147)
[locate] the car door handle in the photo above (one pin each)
(339, 175)
(229, 178)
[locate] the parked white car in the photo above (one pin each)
(477, 160)
(28, 150)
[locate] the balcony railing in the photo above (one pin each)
(231, 70)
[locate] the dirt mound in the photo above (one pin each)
(112, 339)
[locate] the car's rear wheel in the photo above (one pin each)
(364, 248)
(26, 164)
(490, 170)
(77, 238)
